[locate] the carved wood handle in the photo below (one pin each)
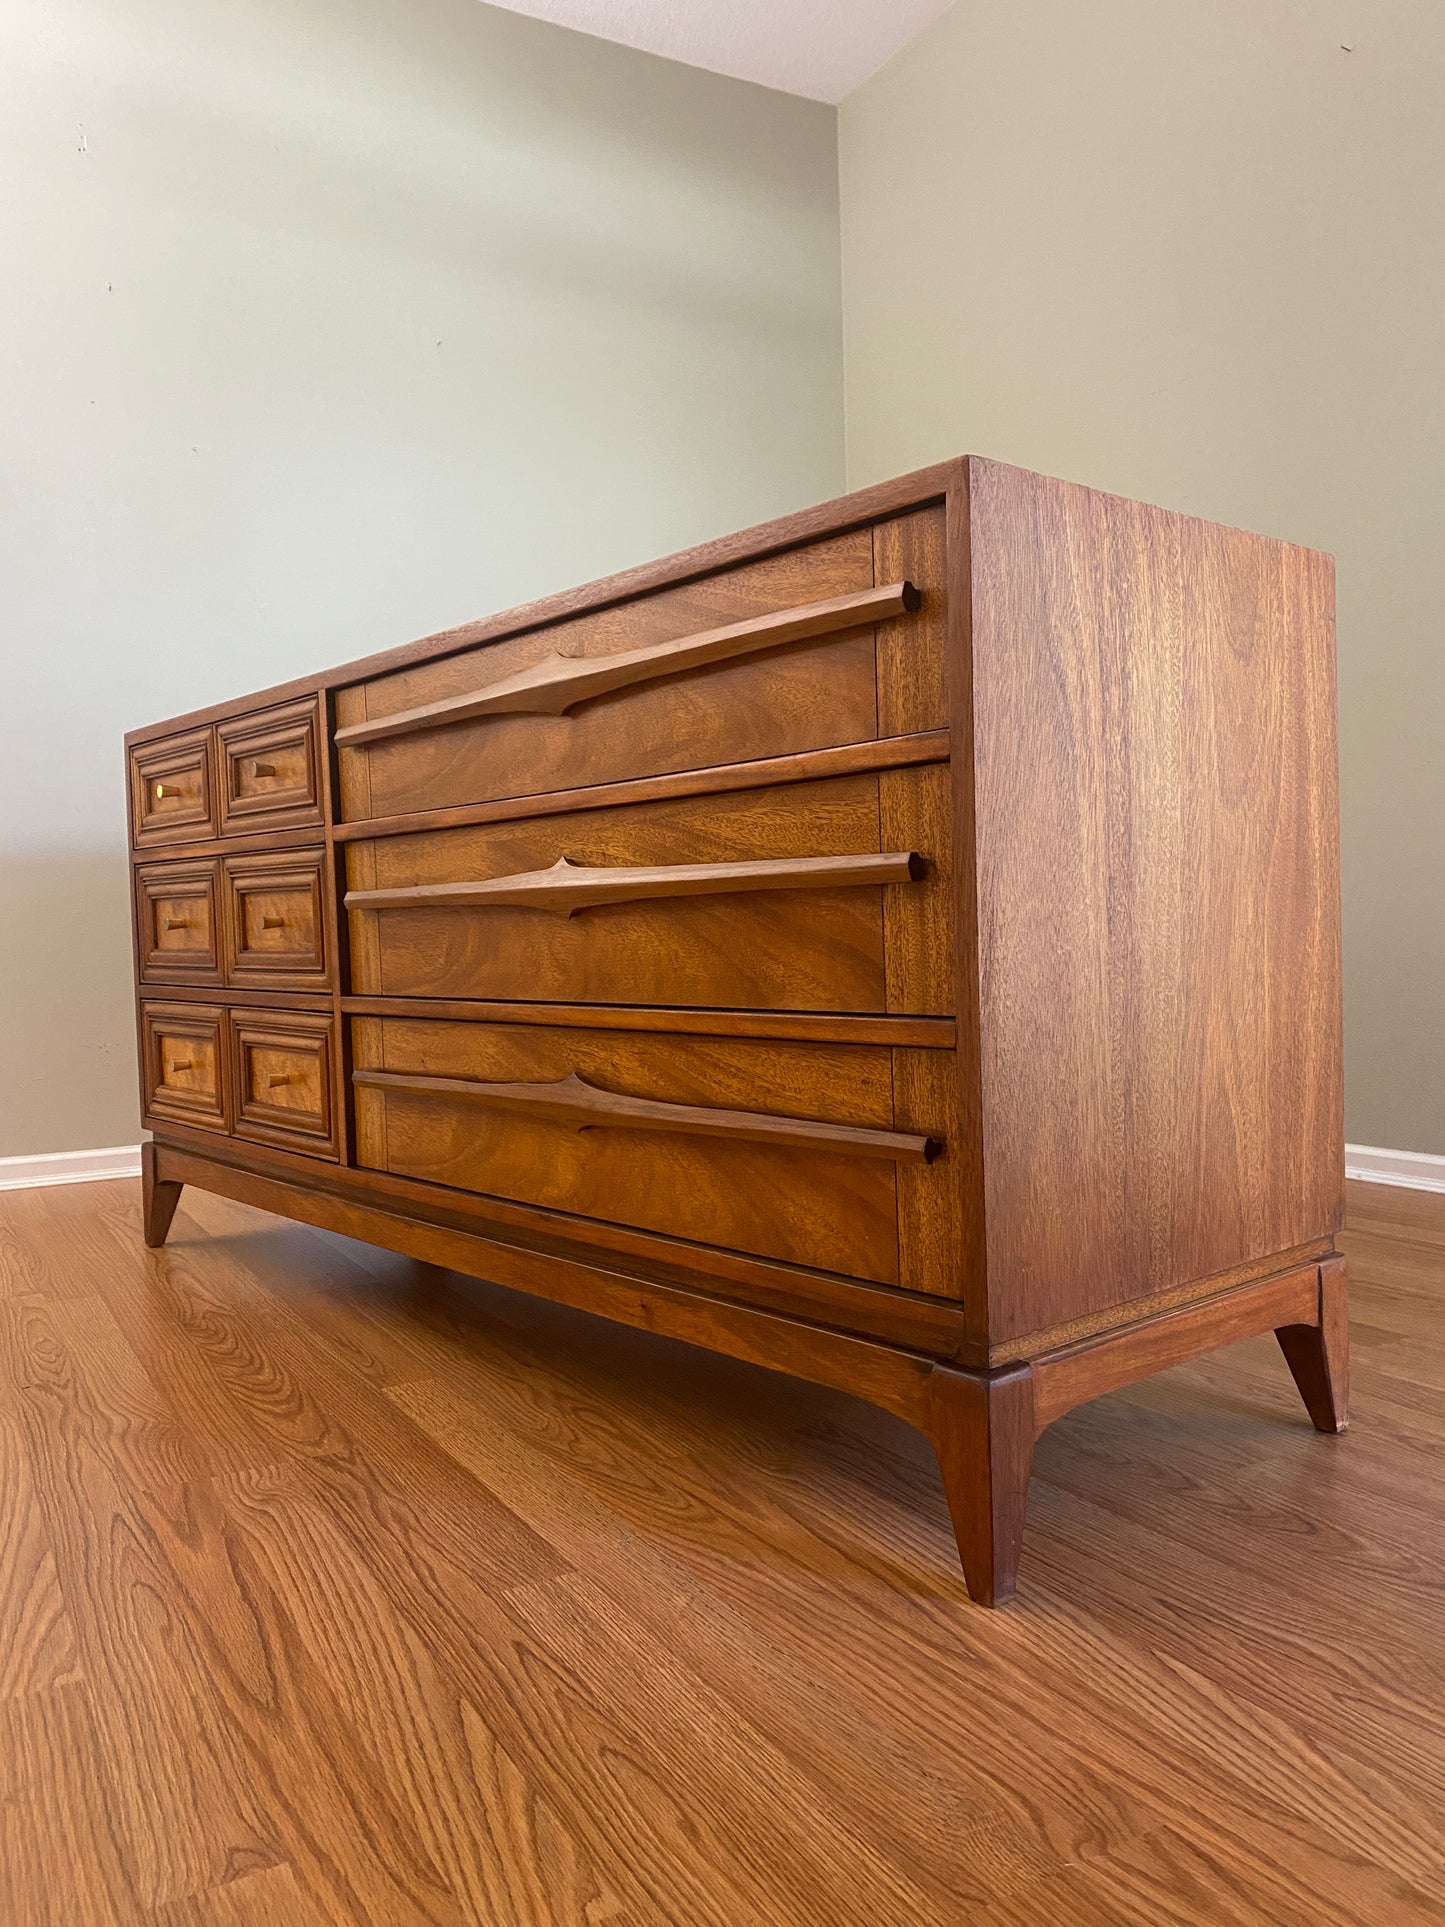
(572, 1100)
(558, 683)
(569, 887)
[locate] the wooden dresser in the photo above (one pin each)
(898, 945)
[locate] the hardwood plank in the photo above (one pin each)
(271, 1898)
(61, 1864)
(37, 1638)
(720, 1667)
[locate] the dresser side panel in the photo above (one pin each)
(1158, 895)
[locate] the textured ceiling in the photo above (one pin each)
(820, 48)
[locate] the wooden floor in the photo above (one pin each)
(334, 1589)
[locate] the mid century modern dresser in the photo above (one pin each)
(897, 945)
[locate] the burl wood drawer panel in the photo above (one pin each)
(281, 1068)
(178, 921)
(183, 1065)
(830, 896)
(745, 664)
(275, 923)
(171, 793)
(270, 769)
(820, 1155)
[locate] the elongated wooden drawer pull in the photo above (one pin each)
(168, 789)
(180, 923)
(569, 887)
(263, 769)
(281, 1077)
(558, 683)
(273, 923)
(186, 1064)
(572, 1100)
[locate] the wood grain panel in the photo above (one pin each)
(913, 656)
(809, 695)
(270, 769)
(281, 1073)
(813, 950)
(276, 921)
(179, 922)
(837, 1213)
(172, 789)
(1158, 896)
(184, 1075)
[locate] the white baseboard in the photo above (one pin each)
(70, 1167)
(1416, 1170)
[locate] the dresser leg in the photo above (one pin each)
(159, 1198)
(982, 1427)
(1319, 1355)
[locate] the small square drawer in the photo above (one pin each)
(170, 789)
(270, 769)
(281, 1063)
(177, 922)
(275, 928)
(184, 1066)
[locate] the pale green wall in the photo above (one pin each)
(1194, 251)
(325, 324)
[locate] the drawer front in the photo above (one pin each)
(178, 922)
(667, 682)
(799, 1152)
(281, 1064)
(184, 1065)
(831, 896)
(171, 791)
(270, 769)
(275, 926)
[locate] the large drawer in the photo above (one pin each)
(745, 664)
(831, 896)
(831, 1156)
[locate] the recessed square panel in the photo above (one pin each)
(270, 769)
(275, 921)
(281, 1063)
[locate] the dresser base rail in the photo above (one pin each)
(982, 1424)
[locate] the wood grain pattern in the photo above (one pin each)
(178, 922)
(276, 921)
(184, 1073)
(810, 948)
(270, 769)
(808, 695)
(560, 683)
(1158, 913)
(172, 791)
(807, 766)
(687, 1675)
(823, 1208)
(572, 1100)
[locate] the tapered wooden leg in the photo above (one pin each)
(1319, 1355)
(159, 1198)
(982, 1427)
